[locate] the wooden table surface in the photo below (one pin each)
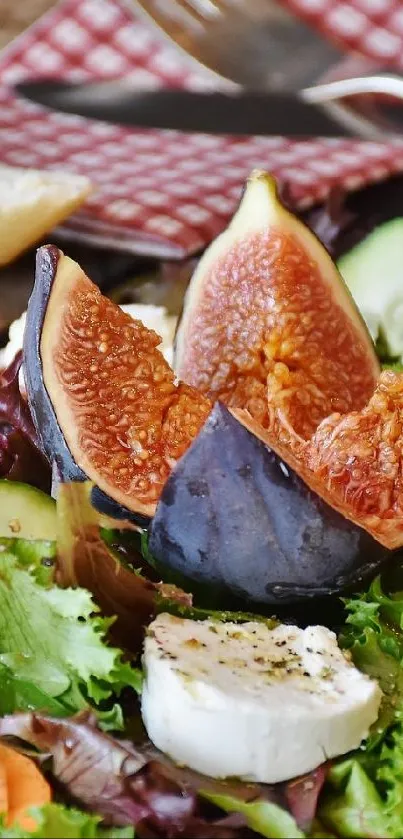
(16, 15)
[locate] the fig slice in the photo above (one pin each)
(358, 459)
(268, 324)
(104, 399)
(233, 513)
(354, 462)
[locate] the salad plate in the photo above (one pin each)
(201, 524)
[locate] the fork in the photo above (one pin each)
(256, 44)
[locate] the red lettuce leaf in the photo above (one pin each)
(137, 785)
(20, 456)
(84, 559)
(302, 796)
(346, 218)
(111, 778)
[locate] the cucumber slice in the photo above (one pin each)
(26, 512)
(373, 271)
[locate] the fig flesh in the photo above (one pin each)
(268, 324)
(234, 514)
(359, 459)
(268, 523)
(103, 397)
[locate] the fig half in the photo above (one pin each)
(103, 398)
(234, 514)
(268, 324)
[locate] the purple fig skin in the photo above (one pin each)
(234, 515)
(50, 436)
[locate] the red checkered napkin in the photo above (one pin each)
(373, 28)
(159, 193)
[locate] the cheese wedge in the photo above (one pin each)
(248, 701)
(32, 202)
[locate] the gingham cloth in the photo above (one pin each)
(371, 27)
(163, 193)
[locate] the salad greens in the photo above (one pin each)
(56, 658)
(354, 808)
(263, 817)
(128, 783)
(53, 653)
(364, 795)
(57, 822)
(85, 559)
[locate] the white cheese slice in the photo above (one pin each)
(32, 202)
(248, 701)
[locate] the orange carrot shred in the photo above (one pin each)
(25, 787)
(3, 792)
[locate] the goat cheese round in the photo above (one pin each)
(246, 700)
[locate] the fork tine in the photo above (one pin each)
(174, 14)
(174, 19)
(206, 9)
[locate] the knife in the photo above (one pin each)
(242, 112)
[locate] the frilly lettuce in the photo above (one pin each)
(53, 650)
(57, 822)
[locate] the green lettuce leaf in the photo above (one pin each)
(356, 809)
(53, 650)
(263, 817)
(57, 822)
(389, 774)
(374, 636)
(364, 795)
(396, 366)
(182, 609)
(22, 694)
(36, 556)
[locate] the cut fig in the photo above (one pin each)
(103, 397)
(268, 324)
(293, 489)
(358, 458)
(234, 514)
(354, 462)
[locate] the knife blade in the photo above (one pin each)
(266, 113)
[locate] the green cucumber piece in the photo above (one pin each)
(373, 271)
(26, 512)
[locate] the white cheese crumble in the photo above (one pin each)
(245, 700)
(158, 319)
